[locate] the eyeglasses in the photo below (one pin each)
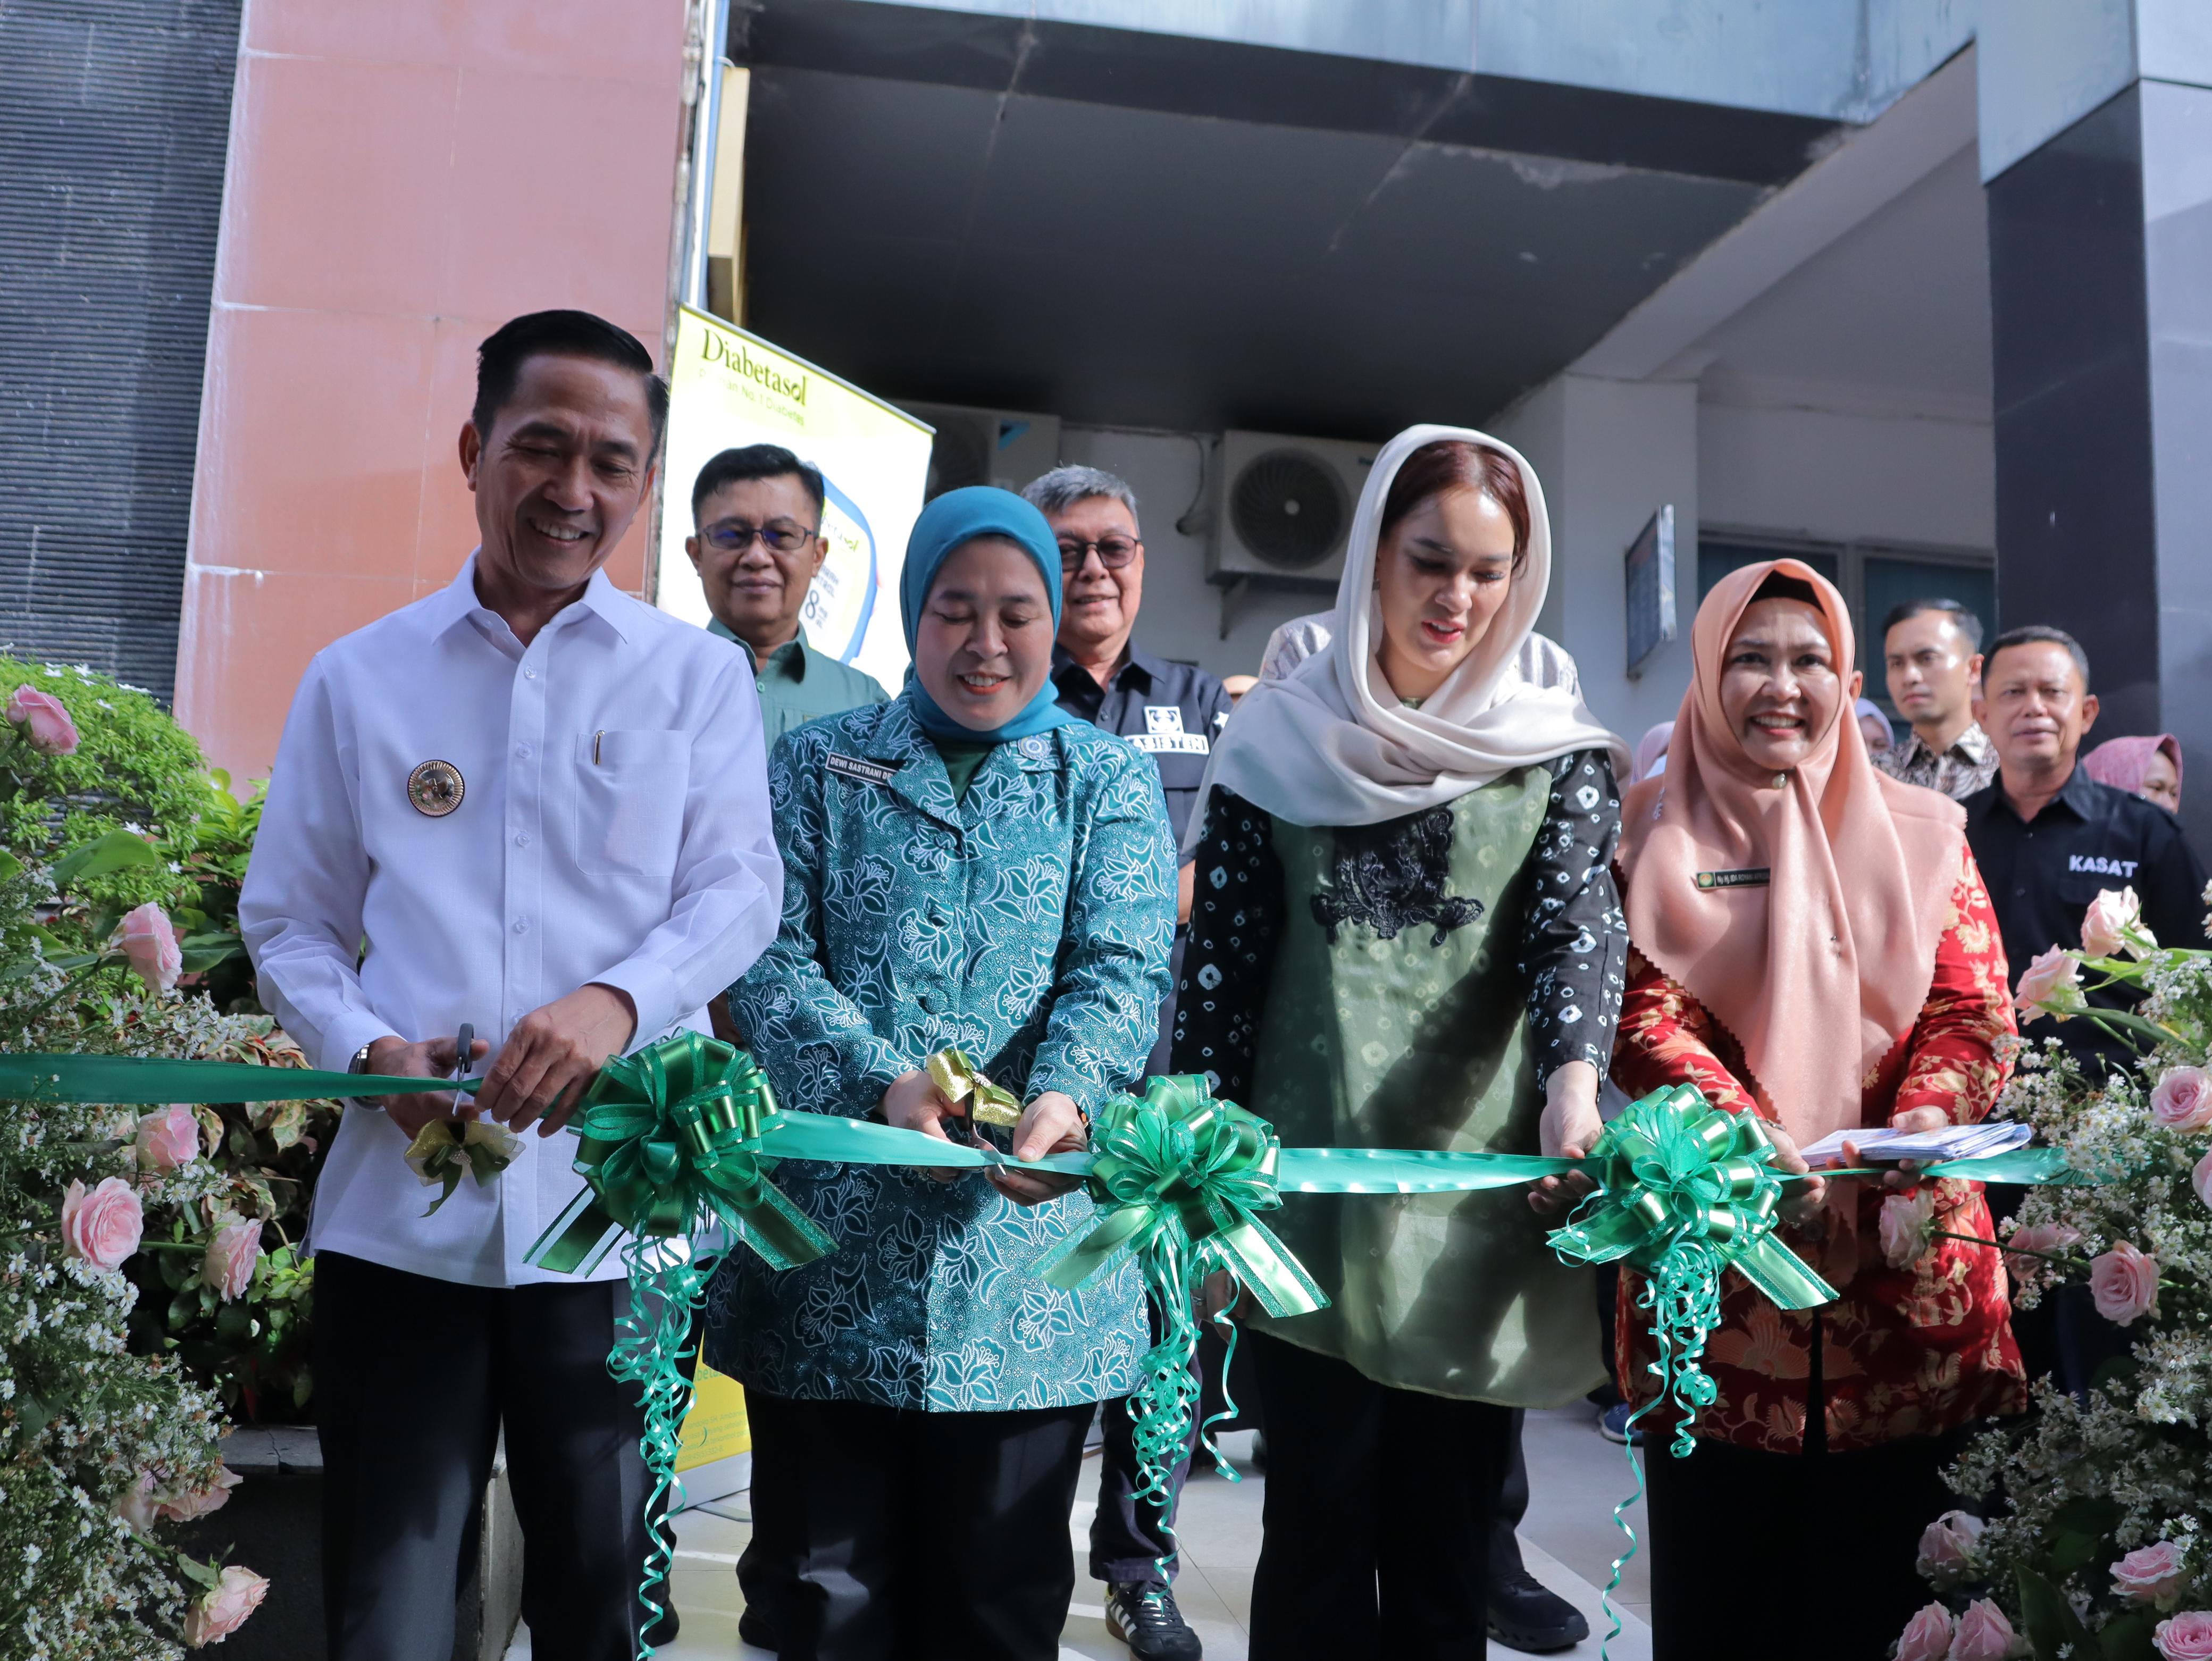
(1114, 552)
(734, 536)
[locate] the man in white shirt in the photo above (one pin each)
(530, 803)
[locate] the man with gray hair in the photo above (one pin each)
(1171, 711)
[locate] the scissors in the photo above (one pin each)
(462, 1045)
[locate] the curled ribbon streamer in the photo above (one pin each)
(667, 1147)
(1685, 1191)
(667, 1285)
(664, 1151)
(1178, 1177)
(957, 1081)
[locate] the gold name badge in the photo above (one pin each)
(436, 788)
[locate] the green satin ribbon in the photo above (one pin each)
(668, 1148)
(683, 1135)
(146, 1081)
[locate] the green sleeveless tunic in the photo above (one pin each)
(1409, 1042)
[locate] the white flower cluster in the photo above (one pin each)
(2110, 1497)
(84, 1422)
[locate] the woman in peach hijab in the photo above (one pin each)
(1811, 942)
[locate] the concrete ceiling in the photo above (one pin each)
(1893, 313)
(1132, 230)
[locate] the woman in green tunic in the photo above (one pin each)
(1406, 935)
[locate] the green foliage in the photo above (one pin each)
(134, 770)
(217, 866)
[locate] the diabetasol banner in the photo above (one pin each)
(728, 388)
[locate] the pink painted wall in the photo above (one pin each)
(404, 175)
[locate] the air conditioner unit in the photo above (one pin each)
(1005, 448)
(1285, 507)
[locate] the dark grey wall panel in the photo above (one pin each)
(113, 123)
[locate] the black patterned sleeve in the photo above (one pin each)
(1230, 955)
(1574, 940)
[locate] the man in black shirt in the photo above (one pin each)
(1171, 711)
(2048, 837)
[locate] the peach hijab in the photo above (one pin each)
(1819, 972)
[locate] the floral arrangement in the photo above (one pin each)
(107, 1437)
(2094, 1537)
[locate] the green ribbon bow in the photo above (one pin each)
(1674, 1170)
(663, 1153)
(1685, 1191)
(1178, 1177)
(445, 1150)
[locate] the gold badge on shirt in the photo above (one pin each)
(436, 788)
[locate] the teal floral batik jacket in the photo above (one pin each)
(1028, 924)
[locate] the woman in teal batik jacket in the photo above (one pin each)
(965, 866)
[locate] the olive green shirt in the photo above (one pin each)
(798, 684)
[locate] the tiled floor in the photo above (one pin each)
(1568, 1540)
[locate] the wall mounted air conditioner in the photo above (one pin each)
(1005, 448)
(1285, 505)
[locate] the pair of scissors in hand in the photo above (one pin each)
(462, 1045)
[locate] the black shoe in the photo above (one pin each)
(754, 1629)
(1528, 1615)
(1145, 1618)
(663, 1630)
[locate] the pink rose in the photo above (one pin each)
(2124, 1284)
(2200, 1179)
(2186, 1637)
(103, 1227)
(231, 1255)
(1906, 1220)
(45, 725)
(2108, 921)
(139, 1504)
(197, 1502)
(168, 1139)
(2182, 1100)
(2040, 1237)
(1984, 1635)
(1948, 1542)
(2151, 1574)
(216, 1614)
(2053, 976)
(146, 938)
(1927, 1636)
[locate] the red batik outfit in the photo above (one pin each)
(1905, 1352)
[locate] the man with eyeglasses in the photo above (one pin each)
(1172, 711)
(756, 544)
(756, 518)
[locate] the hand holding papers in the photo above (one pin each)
(1885, 1147)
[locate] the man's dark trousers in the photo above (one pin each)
(414, 1379)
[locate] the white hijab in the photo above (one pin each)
(1331, 743)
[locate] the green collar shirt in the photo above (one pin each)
(798, 684)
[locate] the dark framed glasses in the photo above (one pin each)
(1114, 552)
(734, 536)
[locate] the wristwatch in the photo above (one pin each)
(359, 1064)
